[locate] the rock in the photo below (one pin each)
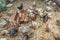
(9, 13)
(48, 2)
(25, 37)
(0, 30)
(24, 29)
(47, 36)
(53, 4)
(31, 14)
(7, 19)
(30, 33)
(49, 14)
(34, 4)
(57, 2)
(40, 11)
(11, 0)
(0, 15)
(49, 27)
(56, 34)
(20, 38)
(3, 38)
(9, 5)
(48, 8)
(34, 23)
(58, 22)
(4, 32)
(2, 23)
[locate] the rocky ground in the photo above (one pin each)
(39, 33)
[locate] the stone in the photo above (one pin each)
(9, 13)
(24, 29)
(49, 14)
(57, 2)
(48, 8)
(58, 22)
(9, 5)
(2, 23)
(3, 39)
(11, 0)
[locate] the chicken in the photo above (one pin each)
(45, 18)
(20, 7)
(16, 16)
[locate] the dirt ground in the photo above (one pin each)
(39, 33)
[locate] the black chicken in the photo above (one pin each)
(12, 32)
(45, 18)
(20, 7)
